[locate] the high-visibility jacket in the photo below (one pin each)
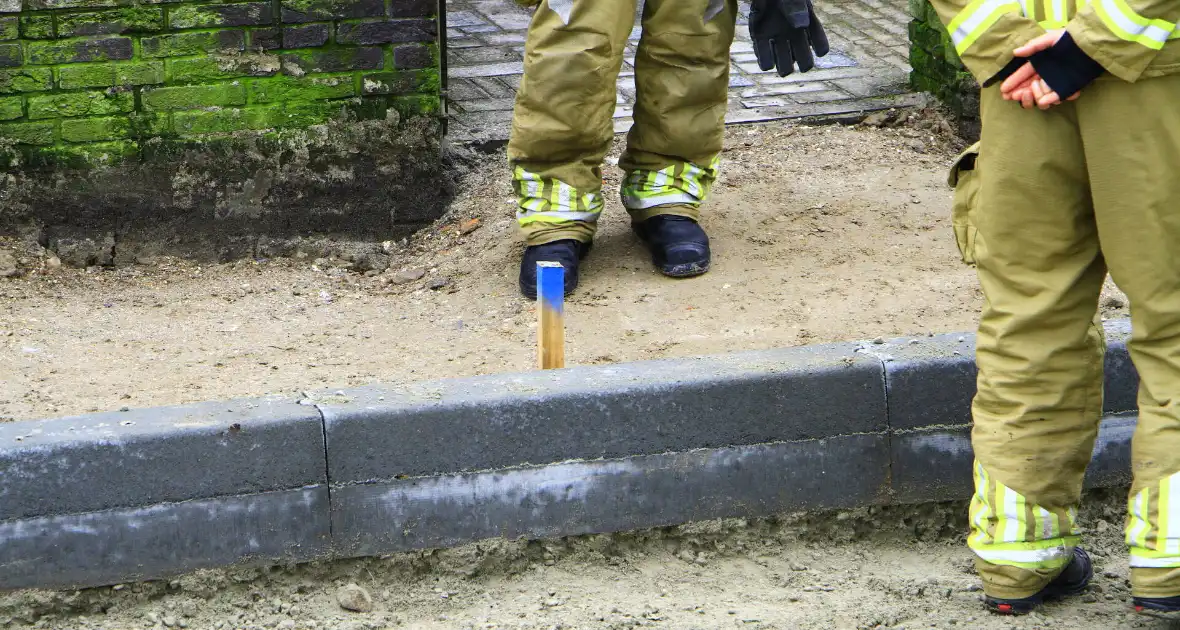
(1132, 39)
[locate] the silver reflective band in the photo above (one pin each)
(563, 9)
(1132, 30)
(975, 20)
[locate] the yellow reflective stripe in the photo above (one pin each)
(561, 217)
(1128, 25)
(1161, 526)
(974, 20)
(682, 183)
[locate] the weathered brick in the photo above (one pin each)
(111, 22)
(95, 129)
(26, 80)
(219, 121)
(393, 82)
(142, 73)
(87, 75)
(385, 31)
(184, 44)
(290, 89)
(37, 26)
(335, 60)
(412, 57)
(11, 107)
(310, 36)
(9, 28)
(79, 50)
(71, 104)
(414, 8)
(266, 38)
(10, 56)
(213, 15)
(194, 96)
(295, 11)
(39, 5)
(206, 69)
(28, 132)
(295, 114)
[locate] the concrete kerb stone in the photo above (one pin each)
(930, 385)
(603, 448)
(151, 493)
(109, 497)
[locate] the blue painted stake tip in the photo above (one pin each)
(550, 283)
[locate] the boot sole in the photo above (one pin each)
(685, 270)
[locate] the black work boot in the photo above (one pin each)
(567, 252)
(1072, 581)
(1167, 607)
(679, 247)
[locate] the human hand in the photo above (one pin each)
(1025, 85)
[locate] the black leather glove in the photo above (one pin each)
(785, 32)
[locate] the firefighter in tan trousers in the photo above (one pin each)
(562, 124)
(1077, 174)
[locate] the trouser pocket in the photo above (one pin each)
(964, 179)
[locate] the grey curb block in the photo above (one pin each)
(151, 493)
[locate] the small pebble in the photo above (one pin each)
(354, 598)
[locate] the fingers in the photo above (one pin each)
(1023, 75)
(819, 39)
(1038, 44)
(801, 48)
(784, 59)
(764, 50)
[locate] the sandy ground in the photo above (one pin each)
(820, 234)
(901, 567)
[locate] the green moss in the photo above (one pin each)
(139, 73)
(86, 75)
(285, 89)
(194, 96)
(125, 20)
(26, 80)
(95, 129)
(70, 104)
(36, 26)
(11, 107)
(193, 17)
(28, 132)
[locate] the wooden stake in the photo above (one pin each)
(550, 315)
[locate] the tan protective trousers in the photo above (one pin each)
(563, 120)
(1056, 200)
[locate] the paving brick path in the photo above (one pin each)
(867, 68)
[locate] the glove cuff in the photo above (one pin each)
(1065, 68)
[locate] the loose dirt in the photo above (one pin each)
(820, 234)
(899, 567)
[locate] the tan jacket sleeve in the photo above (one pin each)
(1124, 35)
(985, 32)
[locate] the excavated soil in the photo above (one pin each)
(820, 234)
(898, 567)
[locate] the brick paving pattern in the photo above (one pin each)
(867, 68)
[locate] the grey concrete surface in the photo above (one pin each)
(161, 455)
(151, 493)
(934, 464)
(599, 496)
(596, 412)
(162, 540)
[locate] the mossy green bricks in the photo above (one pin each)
(936, 68)
(101, 77)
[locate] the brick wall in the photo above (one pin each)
(76, 72)
(936, 68)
